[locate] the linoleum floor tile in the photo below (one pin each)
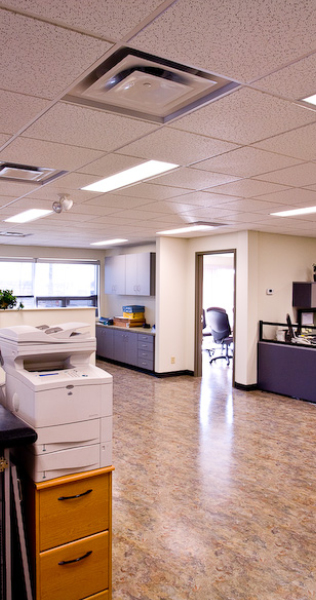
(214, 490)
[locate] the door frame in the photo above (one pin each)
(198, 337)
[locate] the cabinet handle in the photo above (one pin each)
(77, 496)
(68, 562)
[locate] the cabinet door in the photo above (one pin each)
(114, 274)
(131, 348)
(131, 275)
(143, 274)
(105, 342)
(119, 345)
(140, 274)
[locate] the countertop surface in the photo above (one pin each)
(13, 431)
(133, 329)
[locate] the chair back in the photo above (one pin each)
(218, 322)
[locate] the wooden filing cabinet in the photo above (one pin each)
(71, 531)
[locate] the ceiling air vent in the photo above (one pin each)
(14, 234)
(27, 173)
(139, 84)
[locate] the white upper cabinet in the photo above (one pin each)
(131, 274)
(114, 274)
(140, 274)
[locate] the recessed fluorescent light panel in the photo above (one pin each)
(310, 99)
(108, 242)
(130, 176)
(29, 215)
(295, 212)
(186, 229)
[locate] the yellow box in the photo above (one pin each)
(134, 316)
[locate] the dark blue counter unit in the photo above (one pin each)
(288, 369)
(13, 431)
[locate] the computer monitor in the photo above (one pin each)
(290, 327)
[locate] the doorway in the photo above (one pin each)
(215, 286)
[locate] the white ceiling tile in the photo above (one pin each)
(152, 191)
(40, 58)
(246, 162)
(296, 81)
(169, 207)
(116, 202)
(291, 197)
(51, 192)
(193, 179)
(110, 164)
(4, 139)
(17, 110)
(297, 176)
(299, 143)
(245, 205)
(180, 147)
(47, 154)
(111, 19)
(245, 117)
(203, 198)
(12, 189)
(248, 187)
(240, 39)
(87, 128)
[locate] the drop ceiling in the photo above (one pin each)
(243, 153)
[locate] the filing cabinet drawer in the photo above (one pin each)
(146, 363)
(145, 354)
(142, 337)
(76, 570)
(145, 346)
(73, 510)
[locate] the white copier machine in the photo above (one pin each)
(51, 384)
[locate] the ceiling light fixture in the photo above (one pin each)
(130, 176)
(108, 242)
(63, 204)
(29, 215)
(310, 99)
(186, 229)
(295, 212)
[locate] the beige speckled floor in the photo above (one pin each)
(214, 490)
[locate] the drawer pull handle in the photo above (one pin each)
(68, 562)
(77, 496)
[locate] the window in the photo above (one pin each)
(51, 283)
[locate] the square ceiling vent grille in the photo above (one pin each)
(139, 84)
(27, 173)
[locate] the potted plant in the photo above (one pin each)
(7, 300)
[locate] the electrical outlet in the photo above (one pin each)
(269, 291)
(173, 360)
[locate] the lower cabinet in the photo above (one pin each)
(125, 347)
(128, 347)
(72, 535)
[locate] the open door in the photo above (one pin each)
(214, 286)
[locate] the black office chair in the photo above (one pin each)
(218, 323)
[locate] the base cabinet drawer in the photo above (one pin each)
(70, 534)
(73, 510)
(81, 568)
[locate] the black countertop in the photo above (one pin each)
(13, 431)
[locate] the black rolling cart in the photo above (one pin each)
(14, 433)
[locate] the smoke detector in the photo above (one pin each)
(138, 84)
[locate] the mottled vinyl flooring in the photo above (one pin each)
(214, 490)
